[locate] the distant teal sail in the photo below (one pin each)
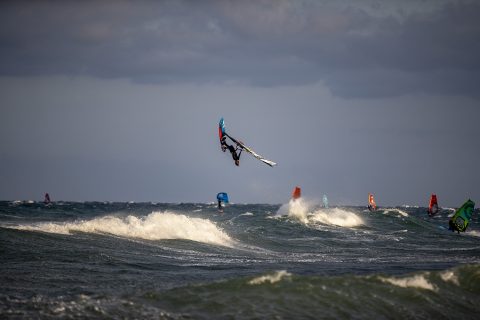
(325, 201)
(460, 220)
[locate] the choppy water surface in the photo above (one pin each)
(113, 260)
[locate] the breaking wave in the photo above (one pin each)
(415, 281)
(337, 217)
(155, 226)
(393, 210)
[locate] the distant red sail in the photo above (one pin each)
(433, 205)
(297, 193)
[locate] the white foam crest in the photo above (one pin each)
(272, 278)
(417, 281)
(247, 214)
(155, 226)
(473, 233)
(449, 276)
(337, 217)
(401, 212)
(297, 209)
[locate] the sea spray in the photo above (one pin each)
(297, 209)
(301, 210)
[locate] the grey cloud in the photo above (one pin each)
(350, 47)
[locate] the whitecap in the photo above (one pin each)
(416, 281)
(247, 214)
(401, 212)
(272, 278)
(473, 233)
(449, 276)
(338, 217)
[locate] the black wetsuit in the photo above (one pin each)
(452, 226)
(233, 151)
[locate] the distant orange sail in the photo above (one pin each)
(297, 193)
(372, 206)
(433, 205)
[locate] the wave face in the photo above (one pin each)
(296, 260)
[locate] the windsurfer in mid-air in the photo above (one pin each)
(236, 151)
(233, 150)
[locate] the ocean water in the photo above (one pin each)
(186, 261)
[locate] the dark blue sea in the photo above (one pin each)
(95, 260)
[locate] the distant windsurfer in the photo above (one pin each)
(460, 220)
(372, 206)
(46, 200)
(222, 198)
(233, 150)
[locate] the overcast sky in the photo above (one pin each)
(120, 100)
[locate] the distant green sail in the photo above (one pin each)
(460, 220)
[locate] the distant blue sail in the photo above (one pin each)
(325, 201)
(223, 197)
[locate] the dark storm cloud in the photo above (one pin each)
(358, 49)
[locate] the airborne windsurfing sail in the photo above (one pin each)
(221, 130)
(460, 220)
(433, 205)
(222, 134)
(372, 206)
